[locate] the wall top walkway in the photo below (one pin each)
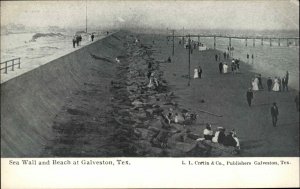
(28, 66)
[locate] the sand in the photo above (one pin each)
(225, 94)
(94, 115)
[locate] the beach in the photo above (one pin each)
(87, 104)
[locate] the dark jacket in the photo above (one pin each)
(249, 95)
(269, 82)
(221, 137)
(274, 111)
(229, 141)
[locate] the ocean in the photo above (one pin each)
(32, 46)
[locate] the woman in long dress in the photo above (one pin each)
(225, 68)
(255, 84)
(276, 85)
(196, 75)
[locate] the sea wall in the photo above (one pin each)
(30, 102)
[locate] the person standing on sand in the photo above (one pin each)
(233, 68)
(279, 82)
(249, 96)
(287, 80)
(276, 85)
(260, 85)
(269, 83)
(220, 67)
(255, 84)
(225, 68)
(247, 58)
(237, 63)
(283, 83)
(196, 73)
(274, 114)
(199, 72)
(92, 37)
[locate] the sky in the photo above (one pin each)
(236, 15)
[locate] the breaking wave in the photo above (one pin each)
(39, 35)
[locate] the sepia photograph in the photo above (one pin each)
(149, 80)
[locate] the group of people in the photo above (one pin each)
(184, 118)
(198, 72)
(226, 55)
(220, 137)
(279, 84)
(248, 56)
(76, 40)
(235, 66)
(276, 85)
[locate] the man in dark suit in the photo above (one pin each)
(274, 113)
(221, 67)
(249, 96)
(269, 83)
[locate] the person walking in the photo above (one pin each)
(237, 63)
(92, 37)
(269, 83)
(74, 41)
(196, 73)
(233, 67)
(279, 82)
(247, 58)
(199, 72)
(260, 85)
(287, 80)
(220, 67)
(216, 57)
(283, 83)
(249, 96)
(77, 40)
(274, 114)
(252, 58)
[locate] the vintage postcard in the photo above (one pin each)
(121, 94)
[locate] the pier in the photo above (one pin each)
(254, 38)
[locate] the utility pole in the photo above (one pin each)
(167, 35)
(86, 16)
(173, 44)
(189, 60)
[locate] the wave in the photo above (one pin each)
(39, 35)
